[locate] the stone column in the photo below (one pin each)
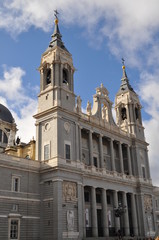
(121, 157)
(104, 214)
(128, 117)
(72, 82)
(38, 148)
(80, 209)
(112, 154)
(77, 142)
(83, 211)
(126, 217)
(101, 151)
(132, 118)
(94, 213)
(117, 219)
(52, 74)
(91, 148)
(42, 80)
(57, 209)
(80, 143)
(129, 160)
(57, 74)
(134, 215)
(147, 163)
(127, 111)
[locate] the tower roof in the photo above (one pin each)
(125, 85)
(56, 36)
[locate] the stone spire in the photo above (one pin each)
(125, 85)
(56, 36)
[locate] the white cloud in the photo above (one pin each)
(11, 84)
(149, 92)
(128, 26)
(15, 97)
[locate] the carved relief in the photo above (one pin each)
(67, 127)
(69, 191)
(147, 202)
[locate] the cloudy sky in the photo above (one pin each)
(98, 34)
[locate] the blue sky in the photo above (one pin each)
(98, 34)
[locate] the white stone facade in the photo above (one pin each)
(91, 177)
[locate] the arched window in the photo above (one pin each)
(65, 76)
(123, 113)
(48, 76)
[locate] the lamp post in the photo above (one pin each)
(119, 211)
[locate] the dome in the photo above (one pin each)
(5, 114)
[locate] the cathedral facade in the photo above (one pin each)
(90, 177)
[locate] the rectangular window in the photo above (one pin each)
(14, 231)
(46, 151)
(143, 172)
(67, 151)
(95, 161)
(15, 184)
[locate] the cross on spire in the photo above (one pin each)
(56, 13)
(123, 60)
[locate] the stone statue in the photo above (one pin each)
(18, 140)
(79, 101)
(11, 139)
(70, 220)
(88, 108)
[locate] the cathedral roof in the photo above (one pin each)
(5, 114)
(56, 38)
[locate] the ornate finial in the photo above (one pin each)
(123, 62)
(56, 16)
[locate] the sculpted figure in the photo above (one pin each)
(88, 108)
(79, 101)
(70, 220)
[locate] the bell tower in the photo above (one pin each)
(128, 108)
(56, 75)
(56, 96)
